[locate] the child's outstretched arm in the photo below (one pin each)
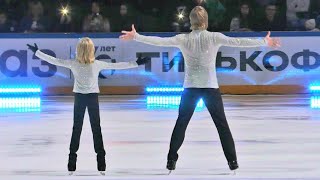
(48, 58)
(123, 65)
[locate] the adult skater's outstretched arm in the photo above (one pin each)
(152, 40)
(48, 58)
(224, 40)
(219, 38)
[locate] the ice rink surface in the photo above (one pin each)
(277, 137)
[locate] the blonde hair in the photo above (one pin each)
(85, 51)
(198, 18)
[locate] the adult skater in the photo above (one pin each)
(199, 49)
(86, 70)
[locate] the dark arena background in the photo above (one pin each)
(271, 95)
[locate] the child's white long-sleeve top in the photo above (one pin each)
(199, 49)
(85, 75)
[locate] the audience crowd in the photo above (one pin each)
(43, 16)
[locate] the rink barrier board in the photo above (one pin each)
(226, 89)
(231, 89)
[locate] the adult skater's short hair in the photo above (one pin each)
(85, 51)
(198, 18)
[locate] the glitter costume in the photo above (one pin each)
(85, 75)
(86, 91)
(199, 49)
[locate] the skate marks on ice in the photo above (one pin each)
(115, 173)
(259, 135)
(139, 172)
(135, 174)
(125, 173)
(182, 172)
(54, 173)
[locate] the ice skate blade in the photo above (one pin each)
(169, 172)
(102, 173)
(71, 173)
(234, 172)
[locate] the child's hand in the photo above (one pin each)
(33, 48)
(141, 60)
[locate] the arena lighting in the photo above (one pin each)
(20, 104)
(314, 88)
(164, 90)
(180, 15)
(19, 90)
(166, 97)
(64, 10)
(315, 102)
(168, 101)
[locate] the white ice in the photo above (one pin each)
(277, 137)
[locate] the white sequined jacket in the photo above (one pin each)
(199, 49)
(85, 75)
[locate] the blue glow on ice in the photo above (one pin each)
(20, 104)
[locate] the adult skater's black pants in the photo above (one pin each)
(81, 102)
(213, 101)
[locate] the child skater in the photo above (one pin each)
(86, 70)
(199, 49)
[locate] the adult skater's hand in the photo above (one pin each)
(141, 60)
(272, 42)
(128, 35)
(33, 48)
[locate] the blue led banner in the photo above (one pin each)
(297, 62)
